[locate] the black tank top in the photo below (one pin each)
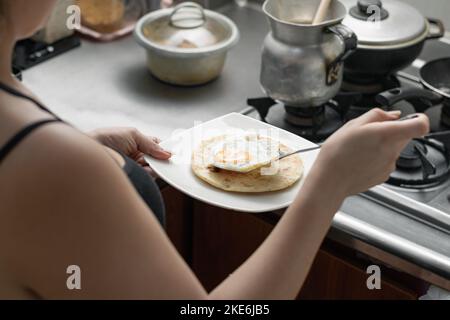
(142, 182)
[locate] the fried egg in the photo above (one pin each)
(244, 153)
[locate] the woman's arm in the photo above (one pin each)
(356, 158)
(89, 215)
(279, 267)
(132, 143)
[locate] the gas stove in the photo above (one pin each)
(29, 52)
(318, 123)
(420, 186)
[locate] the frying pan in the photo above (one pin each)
(434, 76)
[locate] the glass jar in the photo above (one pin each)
(109, 19)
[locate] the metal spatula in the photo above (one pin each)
(280, 157)
(285, 155)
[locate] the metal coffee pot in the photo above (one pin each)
(302, 64)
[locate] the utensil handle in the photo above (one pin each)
(300, 151)
(350, 41)
(441, 29)
(321, 13)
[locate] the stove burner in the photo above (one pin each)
(371, 87)
(359, 96)
(410, 156)
(305, 117)
(423, 163)
(315, 124)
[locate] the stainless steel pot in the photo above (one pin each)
(391, 35)
(186, 45)
(301, 62)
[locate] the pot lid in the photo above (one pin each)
(384, 23)
(186, 27)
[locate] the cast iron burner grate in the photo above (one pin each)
(318, 123)
(422, 164)
(359, 96)
(315, 124)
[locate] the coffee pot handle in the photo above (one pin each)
(350, 41)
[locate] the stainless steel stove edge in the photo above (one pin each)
(419, 255)
(405, 205)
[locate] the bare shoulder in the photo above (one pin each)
(58, 168)
(53, 169)
(74, 206)
(50, 184)
(49, 154)
(69, 204)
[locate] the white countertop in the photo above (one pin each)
(107, 84)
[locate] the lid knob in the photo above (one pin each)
(188, 15)
(364, 5)
(367, 9)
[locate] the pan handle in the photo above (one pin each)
(440, 26)
(391, 97)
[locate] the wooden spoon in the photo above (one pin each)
(321, 13)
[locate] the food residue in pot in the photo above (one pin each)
(165, 35)
(187, 44)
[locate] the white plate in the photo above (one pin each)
(178, 173)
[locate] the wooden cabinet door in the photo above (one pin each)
(222, 240)
(179, 210)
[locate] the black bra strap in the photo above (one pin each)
(14, 141)
(18, 94)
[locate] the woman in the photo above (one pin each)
(65, 200)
